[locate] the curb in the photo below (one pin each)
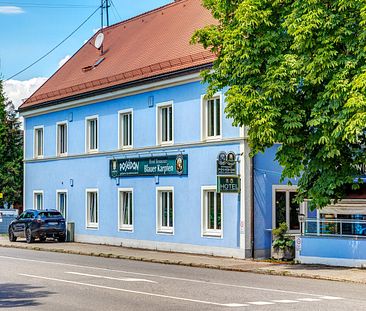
(263, 271)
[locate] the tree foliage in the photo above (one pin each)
(11, 153)
(296, 74)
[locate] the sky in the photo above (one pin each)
(30, 28)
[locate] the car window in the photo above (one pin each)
(50, 214)
(28, 215)
(22, 215)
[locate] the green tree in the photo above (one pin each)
(11, 153)
(296, 74)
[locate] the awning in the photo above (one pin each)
(346, 207)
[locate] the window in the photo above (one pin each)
(125, 209)
(92, 134)
(61, 137)
(38, 142)
(211, 212)
(92, 208)
(286, 209)
(62, 202)
(165, 210)
(38, 200)
(125, 129)
(211, 118)
(165, 126)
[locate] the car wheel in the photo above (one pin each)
(42, 239)
(28, 235)
(12, 237)
(61, 239)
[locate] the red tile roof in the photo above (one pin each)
(145, 46)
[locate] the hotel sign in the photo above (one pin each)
(228, 184)
(152, 166)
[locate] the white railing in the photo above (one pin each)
(333, 227)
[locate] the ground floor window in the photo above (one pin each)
(285, 209)
(92, 208)
(125, 209)
(165, 210)
(211, 212)
(62, 202)
(38, 200)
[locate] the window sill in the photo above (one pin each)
(92, 151)
(208, 234)
(60, 155)
(92, 227)
(38, 157)
(166, 143)
(165, 231)
(212, 138)
(125, 229)
(125, 147)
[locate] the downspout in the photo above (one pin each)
(252, 204)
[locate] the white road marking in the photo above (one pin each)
(308, 299)
(331, 298)
(112, 278)
(134, 291)
(261, 303)
(168, 277)
(285, 301)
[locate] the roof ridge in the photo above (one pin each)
(176, 2)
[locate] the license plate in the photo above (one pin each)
(53, 223)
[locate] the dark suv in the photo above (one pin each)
(40, 224)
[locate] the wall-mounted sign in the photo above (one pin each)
(228, 184)
(226, 163)
(152, 166)
(1, 195)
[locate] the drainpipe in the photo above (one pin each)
(252, 203)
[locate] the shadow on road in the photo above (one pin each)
(20, 295)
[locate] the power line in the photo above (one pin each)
(45, 5)
(54, 48)
(120, 18)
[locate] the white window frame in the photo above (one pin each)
(121, 226)
(35, 142)
(58, 191)
(37, 192)
(287, 189)
(204, 116)
(120, 129)
(87, 142)
(91, 225)
(205, 232)
(160, 229)
(159, 107)
(58, 146)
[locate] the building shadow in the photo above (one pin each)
(20, 295)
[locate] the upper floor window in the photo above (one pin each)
(211, 118)
(125, 129)
(285, 209)
(61, 137)
(165, 125)
(92, 134)
(38, 142)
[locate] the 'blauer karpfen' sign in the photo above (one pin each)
(151, 166)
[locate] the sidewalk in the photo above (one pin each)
(201, 261)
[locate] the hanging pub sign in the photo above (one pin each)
(152, 166)
(226, 163)
(228, 184)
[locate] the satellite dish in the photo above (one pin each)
(99, 41)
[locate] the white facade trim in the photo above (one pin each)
(87, 119)
(57, 138)
(91, 226)
(158, 133)
(159, 228)
(116, 94)
(122, 227)
(161, 246)
(120, 113)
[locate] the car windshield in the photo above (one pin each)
(49, 215)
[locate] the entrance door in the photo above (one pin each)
(62, 203)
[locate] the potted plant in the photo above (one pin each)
(283, 246)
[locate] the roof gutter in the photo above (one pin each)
(115, 88)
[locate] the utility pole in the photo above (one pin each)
(105, 6)
(101, 14)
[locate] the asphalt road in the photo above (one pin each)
(31, 280)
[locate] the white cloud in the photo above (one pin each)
(11, 10)
(63, 61)
(17, 91)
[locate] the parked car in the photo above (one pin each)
(41, 224)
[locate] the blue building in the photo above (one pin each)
(123, 141)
